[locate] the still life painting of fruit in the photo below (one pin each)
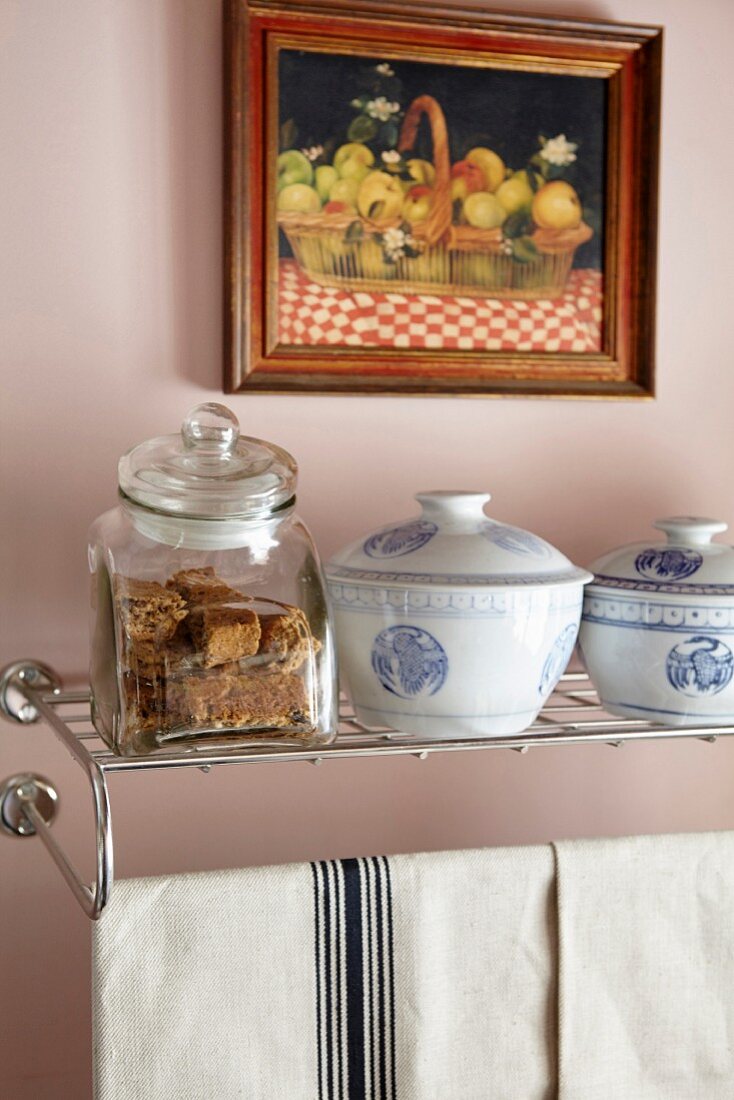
(422, 205)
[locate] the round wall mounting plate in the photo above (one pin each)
(20, 790)
(13, 703)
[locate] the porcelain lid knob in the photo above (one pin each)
(690, 530)
(453, 505)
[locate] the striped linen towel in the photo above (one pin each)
(422, 977)
(646, 942)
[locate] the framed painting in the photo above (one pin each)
(434, 199)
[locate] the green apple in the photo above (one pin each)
(417, 203)
(293, 167)
(484, 210)
(491, 164)
(557, 206)
(326, 177)
(353, 160)
(299, 198)
(516, 194)
(380, 197)
(422, 171)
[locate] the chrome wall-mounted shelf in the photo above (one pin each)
(30, 692)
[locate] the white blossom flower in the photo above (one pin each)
(395, 242)
(559, 151)
(393, 239)
(357, 103)
(391, 156)
(385, 69)
(313, 152)
(381, 108)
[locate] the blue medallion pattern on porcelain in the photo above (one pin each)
(557, 659)
(409, 662)
(515, 540)
(670, 564)
(400, 540)
(700, 666)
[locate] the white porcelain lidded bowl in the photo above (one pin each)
(657, 632)
(451, 624)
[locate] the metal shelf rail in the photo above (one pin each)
(30, 691)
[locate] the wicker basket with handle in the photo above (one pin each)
(453, 259)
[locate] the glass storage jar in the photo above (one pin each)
(210, 621)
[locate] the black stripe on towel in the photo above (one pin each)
(354, 977)
(355, 988)
(381, 968)
(391, 977)
(317, 957)
(328, 966)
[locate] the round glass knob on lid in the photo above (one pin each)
(211, 429)
(209, 470)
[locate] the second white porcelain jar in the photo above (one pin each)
(450, 624)
(657, 634)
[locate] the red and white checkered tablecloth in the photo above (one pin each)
(311, 314)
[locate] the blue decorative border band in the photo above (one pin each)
(674, 588)
(409, 712)
(646, 615)
(448, 603)
(665, 710)
(348, 572)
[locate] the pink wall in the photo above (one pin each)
(110, 330)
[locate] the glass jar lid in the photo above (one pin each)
(209, 470)
(687, 562)
(453, 542)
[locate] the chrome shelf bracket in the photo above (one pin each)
(31, 692)
(29, 803)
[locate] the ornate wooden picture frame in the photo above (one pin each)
(433, 199)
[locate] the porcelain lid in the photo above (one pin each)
(453, 542)
(686, 563)
(209, 470)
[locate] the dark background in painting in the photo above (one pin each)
(502, 109)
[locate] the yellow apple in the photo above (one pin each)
(326, 177)
(299, 198)
(293, 167)
(380, 197)
(491, 163)
(557, 206)
(417, 203)
(484, 210)
(516, 194)
(353, 160)
(422, 171)
(345, 191)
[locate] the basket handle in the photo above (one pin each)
(438, 221)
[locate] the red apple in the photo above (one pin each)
(336, 207)
(465, 178)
